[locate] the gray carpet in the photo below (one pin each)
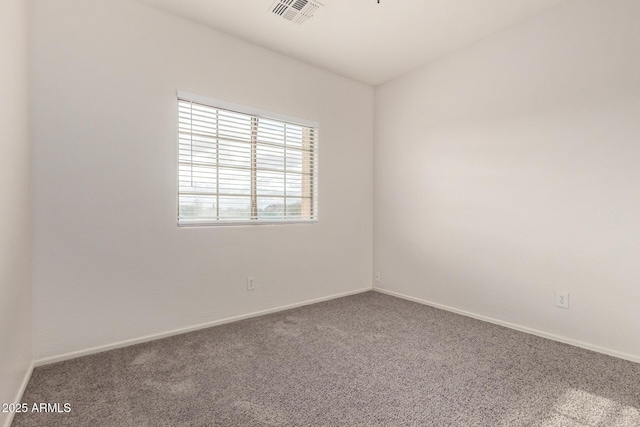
(363, 360)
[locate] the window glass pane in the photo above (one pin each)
(235, 154)
(197, 207)
(234, 181)
(270, 131)
(199, 110)
(198, 150)
(294, 207)
(270, 183)
(184, 124)
(235, 208)
(234, 126)
(294, 135)
(270, 208)
(197, 178)
(270, 157)
(200, 126)
(294, 160)
(294, 185)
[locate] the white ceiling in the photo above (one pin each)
(361, 39)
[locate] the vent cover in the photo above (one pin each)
(297, 11)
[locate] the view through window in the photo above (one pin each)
(238, 167)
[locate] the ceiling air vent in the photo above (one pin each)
(297, 11)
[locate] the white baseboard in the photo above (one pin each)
(23, 387)
(517, 327)
(152, 337)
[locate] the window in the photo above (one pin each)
(240, 165)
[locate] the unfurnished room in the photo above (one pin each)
(338, 213)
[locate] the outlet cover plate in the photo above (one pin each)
(562, 299)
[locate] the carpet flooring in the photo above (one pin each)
(364, 360)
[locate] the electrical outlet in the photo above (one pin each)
(377, 277)
(562, 299)
(251, 283)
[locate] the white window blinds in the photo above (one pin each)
(237, 166)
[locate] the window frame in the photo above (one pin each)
(255, 113)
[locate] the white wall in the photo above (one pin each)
(110, 264)
(15, 236)
(511, 169)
